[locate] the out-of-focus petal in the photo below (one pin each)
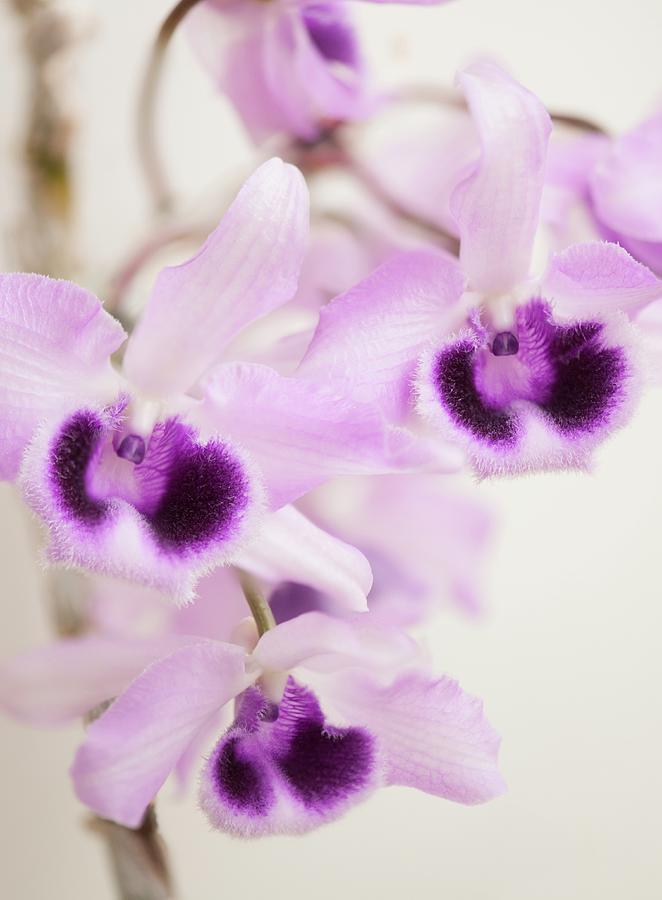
(626, 184)
(497, 206)
(55, 344)
(290, 547)
(64, 680)
(248, 266)
(129, 752)
(418, 153)
(368, 340)
(228, 38)
(433, 735)
(300, 433)
(425, 539)
(596, 278)
(307, 83)
(324, 643)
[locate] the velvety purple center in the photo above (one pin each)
(292, 753)
(188, 494)
(331, 34)
(200, 493)
(565, 370)
(244, 785)
(454, 377)
(71, 455)
(588, 378)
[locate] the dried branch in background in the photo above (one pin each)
(43, 233)
(43, 242)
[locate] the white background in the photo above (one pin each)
(568, 656)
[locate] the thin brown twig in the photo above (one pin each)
(42, 236)
(150, 157)
(43, 244)
(443, 96)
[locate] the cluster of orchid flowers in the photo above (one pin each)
(283, 669)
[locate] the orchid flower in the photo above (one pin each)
(281, 767)
(160, 472)
(526, 371)
(416, 571)
(289, 67)
(619, 183)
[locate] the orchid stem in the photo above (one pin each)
(260, 609)
(138, 857)
(147, 144)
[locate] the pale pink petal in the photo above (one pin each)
(497, 206)
(129, 752)
(418, 153)
(229, 40)
(433, 735)
(248, 266)
(64, 680)
(626, 185)
(368, 340)
(188, 763)
(55, 344)
(437, 557)
(289, 547)
(127, 610)
(217, 610)
(308, 87)
(325, 643)
(300, 433)
(597, 278)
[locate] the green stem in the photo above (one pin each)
(260, 609)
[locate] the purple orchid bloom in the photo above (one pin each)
(281, 767)
(286, 67)
(619, 183)
(528, 373)
(160, 472)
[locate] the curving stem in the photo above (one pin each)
(147, 143)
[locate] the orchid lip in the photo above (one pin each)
(569, 375)
(282, 769)
(187, 494)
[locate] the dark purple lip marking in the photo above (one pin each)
(190, 495)
(289, 749)
(454, 377)
(566, 370)
(132, 448)
(505, 344)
